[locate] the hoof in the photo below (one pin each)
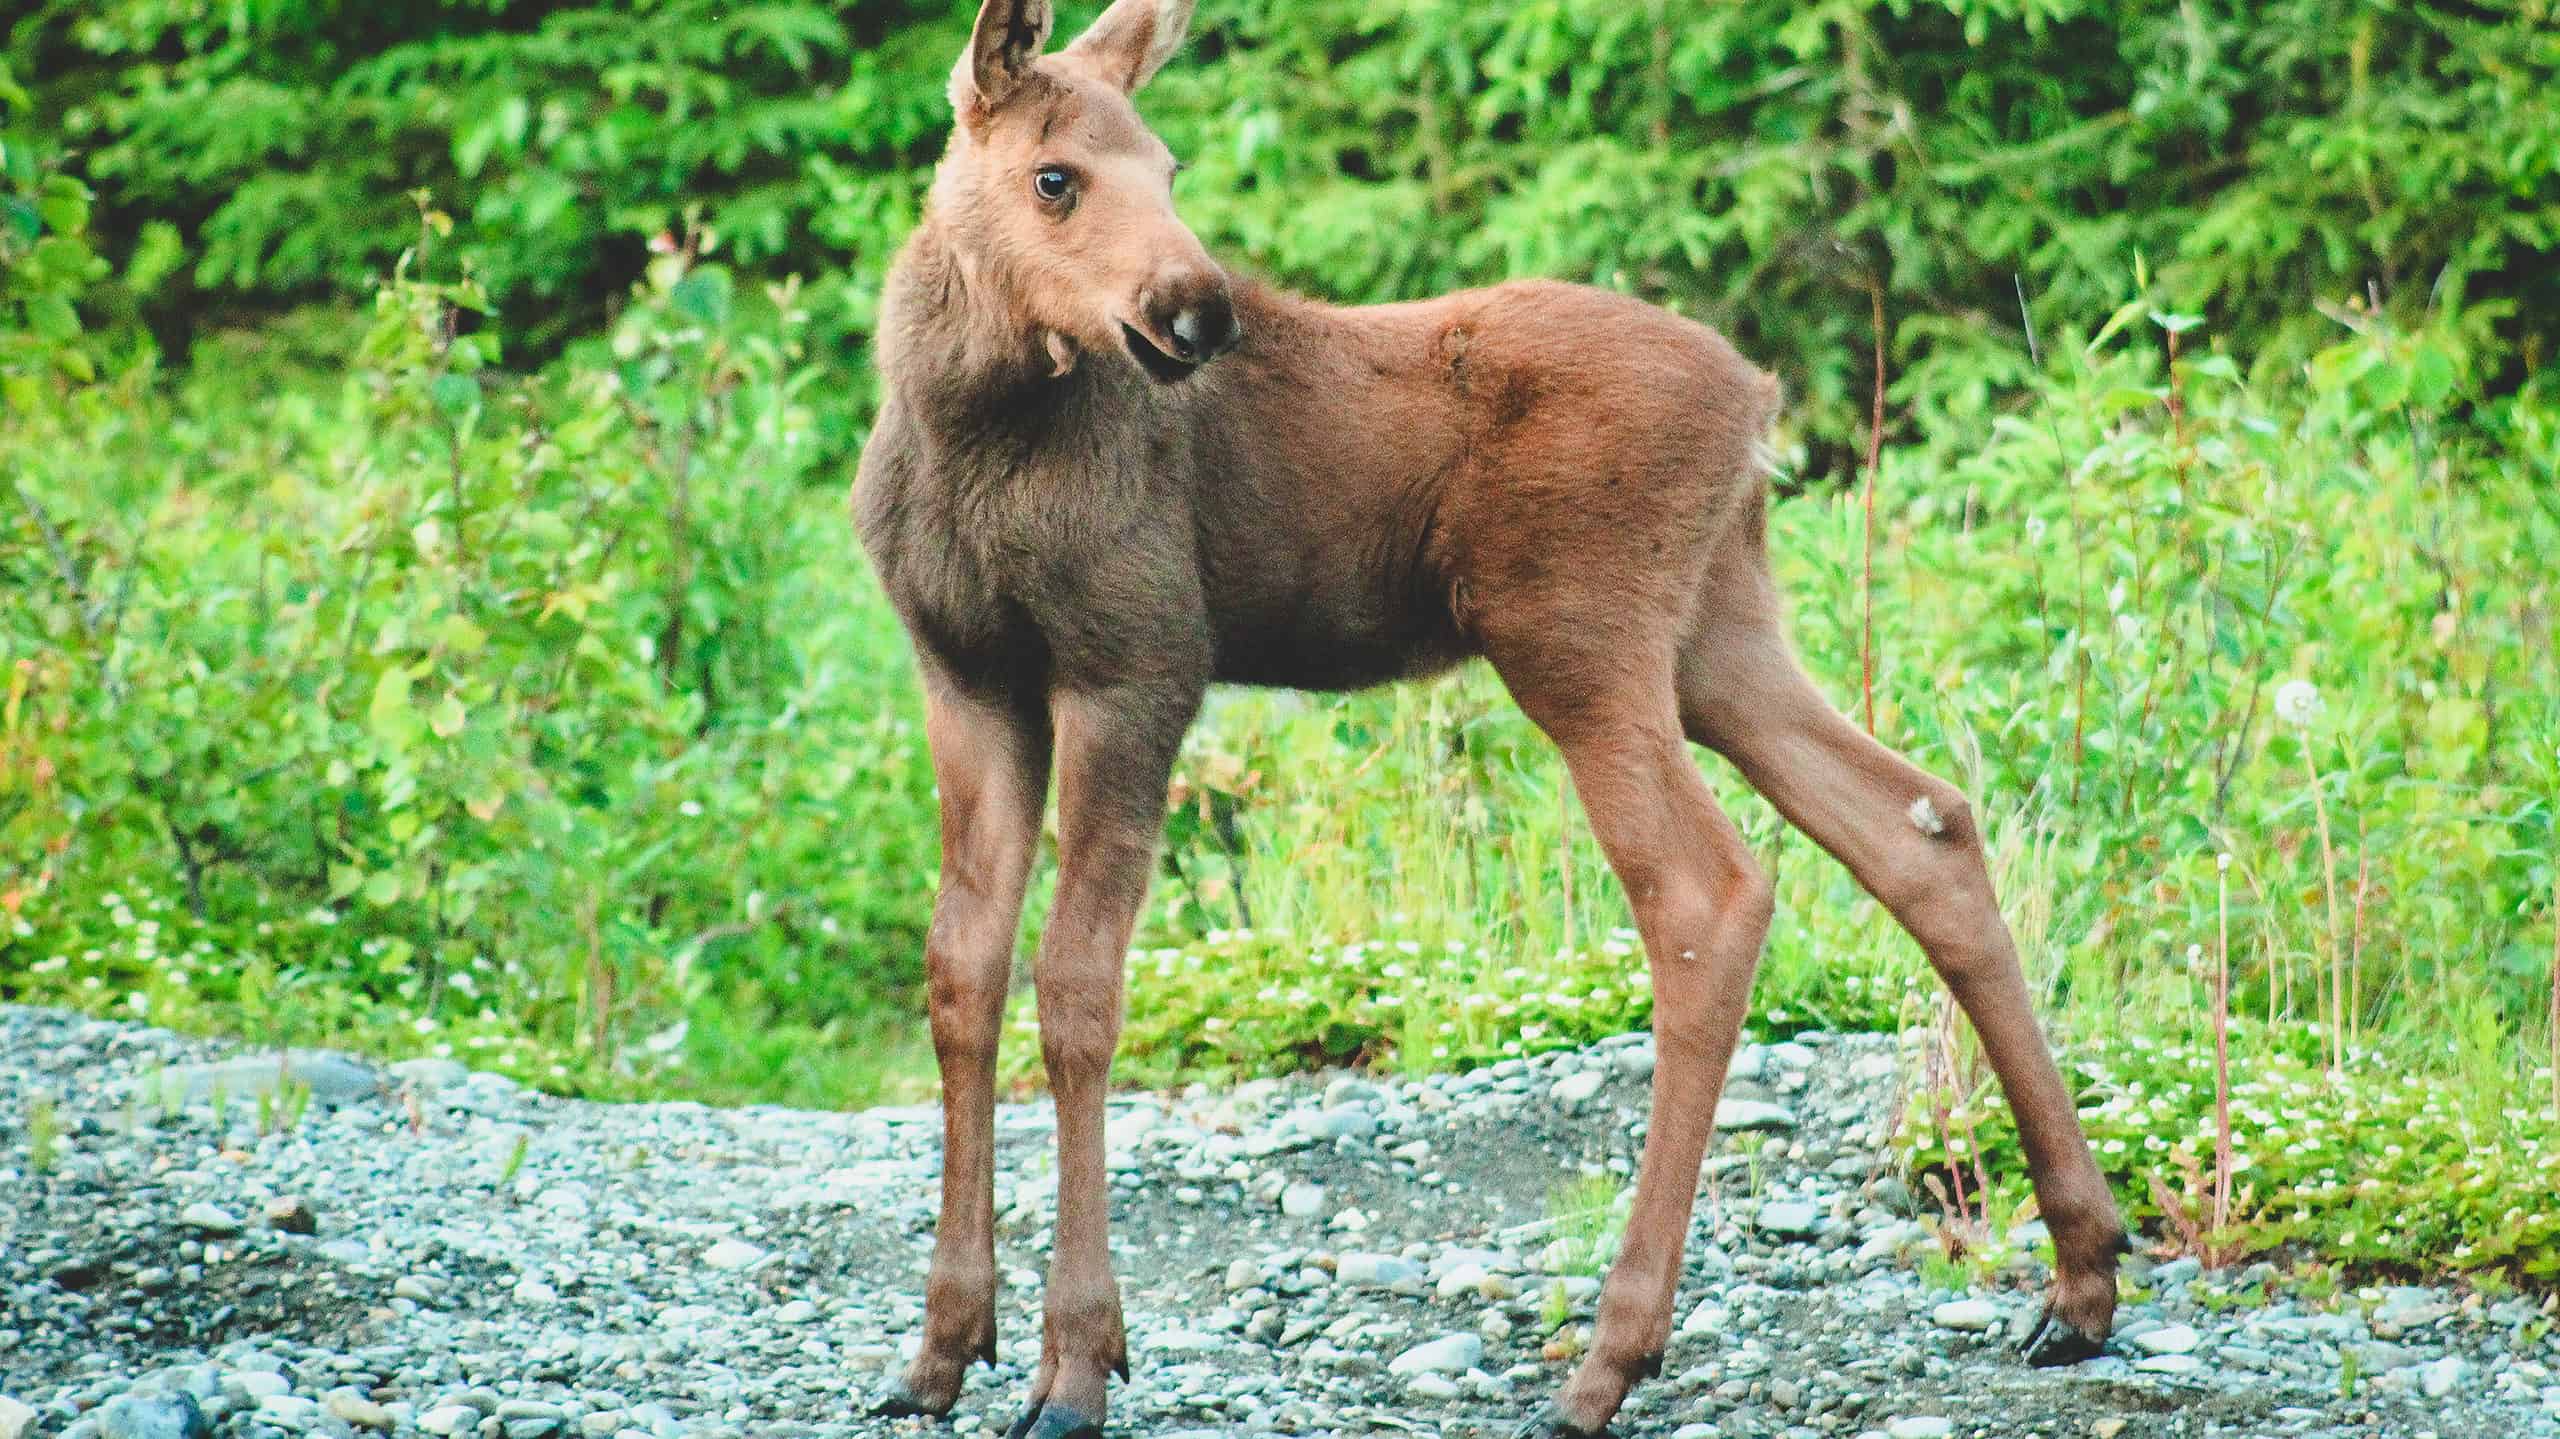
(897, 1401)
(1550, 1423)
(2057, 1341)
(1054, 1421)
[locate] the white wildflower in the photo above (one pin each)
(2298, 703)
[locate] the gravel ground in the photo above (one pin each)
(434, 1252)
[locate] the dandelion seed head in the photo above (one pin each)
(2298, 703)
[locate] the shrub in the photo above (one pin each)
(523, 705)
(1777, 168)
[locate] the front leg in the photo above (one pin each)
(991, 762)
(1115, 751)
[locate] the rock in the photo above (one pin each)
(256, 1385)
(152, 1416)
(1789, 1219)
(798, 1311)
(449, 1419)
(1378, 1271)
(1437, 1387)
(1344, 1122)
(207, 1218)
(1449, 1354)
(16, 1419)
(1302, 1200)
(1926, 1426)
(2439, 1379)
(290, 1411)
(290, 1214)
(1184, 1341)
(353, 1408)
(1456, 1282)
(732, 1253)
(2176, 1274)
(1971, 1316)
(2108, 1428)
(2170, 1364)
(1348, 1090)
(2168, 1339)
(1737, 1116)
(333, 1079)
(1578, 1087)
(2378, 1356)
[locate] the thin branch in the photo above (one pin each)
(1867, 573)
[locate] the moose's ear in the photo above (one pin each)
(1131, 41)
(1009, 36)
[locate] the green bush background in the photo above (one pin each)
(1763, 165)
(430, 622)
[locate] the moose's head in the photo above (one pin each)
(1062, 196)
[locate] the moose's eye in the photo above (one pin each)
(1051, 184)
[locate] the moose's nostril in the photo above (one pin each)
(1186, 334)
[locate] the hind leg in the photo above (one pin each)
(1910, 840)
(1702, 907)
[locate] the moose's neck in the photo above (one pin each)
(960, 354)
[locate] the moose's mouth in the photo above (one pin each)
(1160, 366)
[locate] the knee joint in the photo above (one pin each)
(963, 992)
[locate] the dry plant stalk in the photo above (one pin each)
(2222, 1051)
(1867, 571)
(2355, 948)
(2329, 884)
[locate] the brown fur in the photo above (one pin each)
(1081, 535)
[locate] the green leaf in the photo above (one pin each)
(460, 635)
(2432, 377)
(389, 716)
(448, 717)
(53, 319)
(703, 296)
(65, 212)
(456, 395)
(156, 255)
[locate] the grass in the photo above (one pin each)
(44, 1134)
(1588, 1218)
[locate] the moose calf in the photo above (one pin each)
(1108, 474)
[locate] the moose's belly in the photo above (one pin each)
(1313, 647)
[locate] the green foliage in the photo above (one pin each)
(1773, 167)
(44, 1134)
(45, 262)
(451, 707)
(2383, 1164)
(1588, 1217)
